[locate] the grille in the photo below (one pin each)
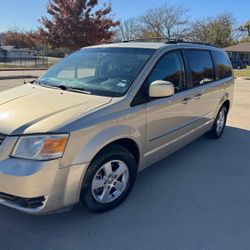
(2, 137)
(24, 202)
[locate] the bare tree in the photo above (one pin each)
(129, 29)
(245, 28)
(218, 30)
(168, 21)
(200, 31)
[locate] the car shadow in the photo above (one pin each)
(197, 198)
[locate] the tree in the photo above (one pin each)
(76, 23)
(218, 31)
(19, 39)
(168, 21)
(245, 28)
(129, 29)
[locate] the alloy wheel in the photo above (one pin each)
(220, 122)
(110, 181)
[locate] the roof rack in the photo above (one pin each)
(189, 42)
(148, 39)
(166, 41)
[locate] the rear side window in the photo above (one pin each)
(223, 65)
(201, 66)
(170, 68)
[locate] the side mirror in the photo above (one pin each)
(161, 89)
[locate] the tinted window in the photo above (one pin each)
(201, 66)
(223, 65)
(170, 68)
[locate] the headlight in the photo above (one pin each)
(40, 147)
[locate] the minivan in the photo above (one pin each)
(83, 130)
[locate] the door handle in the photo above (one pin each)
(198, 96)
(186, 100)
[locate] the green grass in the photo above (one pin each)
(245, 73)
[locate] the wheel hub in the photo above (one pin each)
(110, 181)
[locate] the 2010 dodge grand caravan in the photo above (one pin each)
(83, 130)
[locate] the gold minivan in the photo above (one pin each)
(83, 130)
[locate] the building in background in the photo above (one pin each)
(239, 52)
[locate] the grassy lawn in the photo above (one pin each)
(242, 73)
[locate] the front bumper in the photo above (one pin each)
(46, 185)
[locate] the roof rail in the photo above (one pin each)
(148, 39)
(166, 41)
(189, 42)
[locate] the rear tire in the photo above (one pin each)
(219, 124)
(109, 179)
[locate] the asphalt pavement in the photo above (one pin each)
(196, 199)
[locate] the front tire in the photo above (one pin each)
(109, 179)
(219, 124)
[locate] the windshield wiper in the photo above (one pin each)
(71, 89)
(63, 87)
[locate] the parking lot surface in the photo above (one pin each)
(197, 198)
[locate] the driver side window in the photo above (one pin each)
(170, 68)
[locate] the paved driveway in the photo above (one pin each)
(198, 198)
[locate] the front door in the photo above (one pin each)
(170, 118)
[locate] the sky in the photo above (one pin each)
(24, 14)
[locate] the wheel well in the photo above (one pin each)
(227, 104)
(129, 144)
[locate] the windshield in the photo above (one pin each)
(98, 71)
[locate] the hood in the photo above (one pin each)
(36, 109)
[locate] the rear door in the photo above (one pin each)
(206, 92)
